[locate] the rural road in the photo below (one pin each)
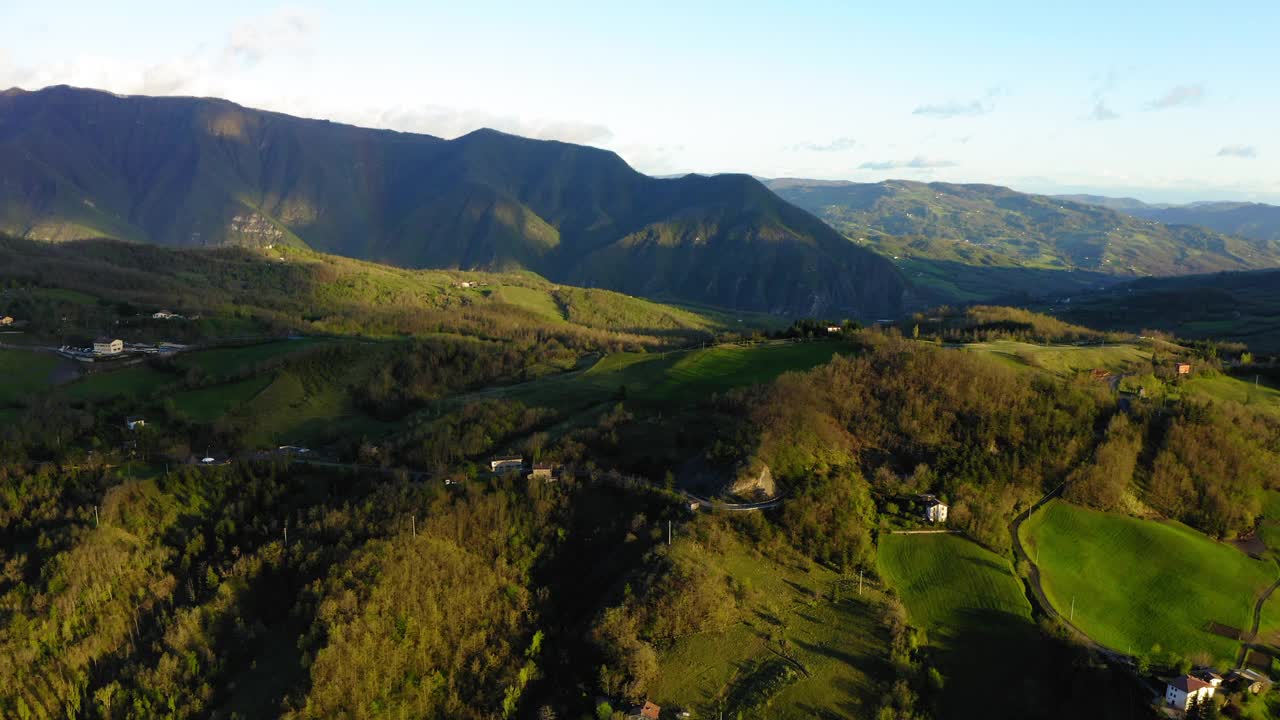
(1257, 622)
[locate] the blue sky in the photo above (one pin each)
(1164, 101)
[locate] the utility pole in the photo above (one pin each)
(286, 533)
(668, 533)
(859, 582)
(95, 516)
(1073, 608)
(413, 522)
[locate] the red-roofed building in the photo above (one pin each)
(1180, 691)
(647, 711)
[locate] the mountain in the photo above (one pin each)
(984, 242)
(195, 171)
(1257, 221)
(1121, 203)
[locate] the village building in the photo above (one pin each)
(5, 320)
(1246, 679)
(833, 329)
(1184, 368)
(647, 711)
(1181, 691)
(935, 511)
(163, 315)
(542, 471)
(506, 463)
(135, 423)
(108, 346)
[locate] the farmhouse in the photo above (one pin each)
(5, 320)
(833, 329)
(135, 423)
(164, 315)
(108, 346)
(542, 471)
(935, 511)
(1184, 368)
(506, 463)
(1180, 691)
(647, 711)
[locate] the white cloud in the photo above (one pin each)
(1180, 96)
(449, 122)
(1102, 113)
(1239, 151)
(284, 29)
(916, 163)
(839, 144)
(954, 109)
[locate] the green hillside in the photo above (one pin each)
(196, 172)
(979, 242)
(1166, 586)
(1258, 221)
(1239, 306)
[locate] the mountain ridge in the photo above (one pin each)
(1253, 220)
(199, 171)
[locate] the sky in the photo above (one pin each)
(1167, 102)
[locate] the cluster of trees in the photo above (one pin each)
(985, 323)
(914, 418)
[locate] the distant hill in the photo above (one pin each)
(1240, 306)
(984, 242)
(1256, 221)
(197, 172)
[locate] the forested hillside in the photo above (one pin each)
(960, 243)
(201, 172)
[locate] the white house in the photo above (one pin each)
(833, 329)
(935, 511)
(509, 463)
(164, 315)
(1179, 692)
(108, 346)
(135, 423)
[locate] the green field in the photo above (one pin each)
(63, 295)
(208, 404)
(839, 640)
(677, 377)
(1261, 397)
(221, 362)
(23, 373)
(1067, 359)
(976, 619)
(1143, 587)
(135, 382)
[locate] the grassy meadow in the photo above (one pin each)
(1066, 359)
(1145, 587)
(676, 377)
(23, 373)
(834, 632)
(975, 618)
